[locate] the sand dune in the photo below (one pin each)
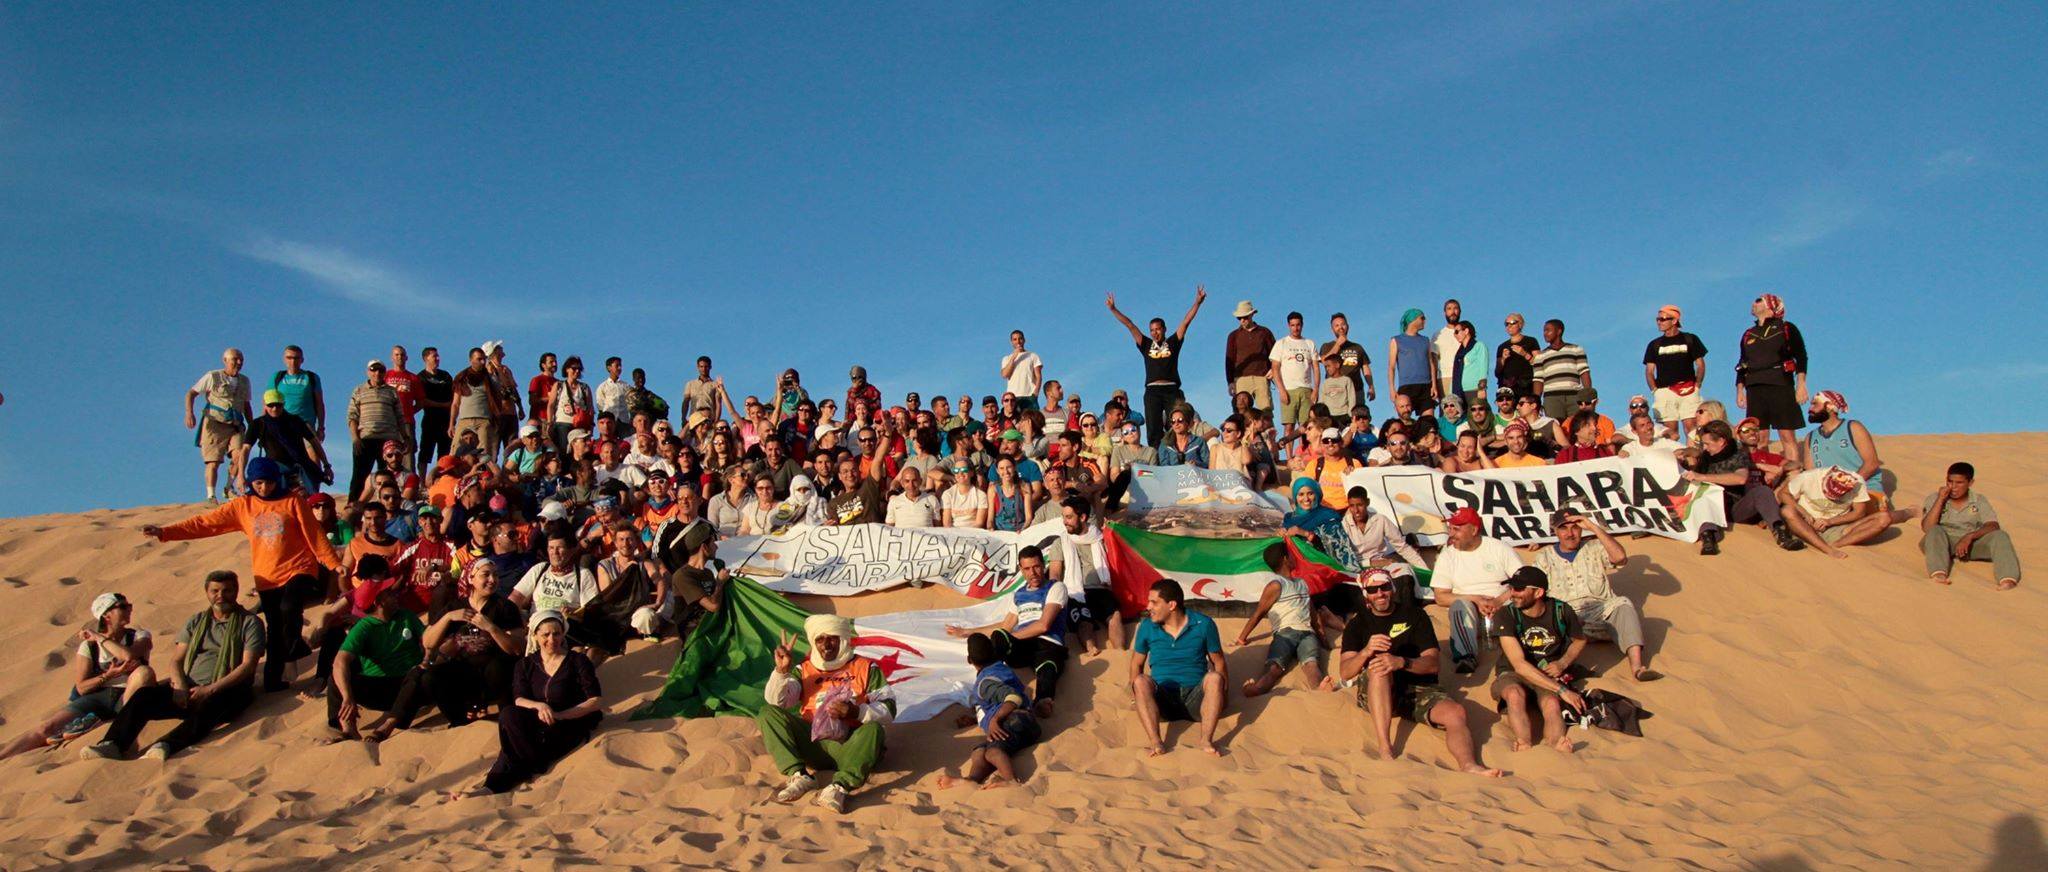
(1821, 713)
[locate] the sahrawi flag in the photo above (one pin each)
(1212, 569)
(726, 662)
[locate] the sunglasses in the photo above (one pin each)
(1230, 429)
(1663, 318)
(1379, 588)
(1329, 442)
(1747, 430)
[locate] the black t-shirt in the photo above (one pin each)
(1674, 356)
(866, 504)
(1408, 627)
(1350, 358)
(1543, 638)
(1162, 360)
(464, 638)
(439, 387)
(283, 439)
(1514, 370)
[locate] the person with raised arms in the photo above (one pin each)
(1162, 361)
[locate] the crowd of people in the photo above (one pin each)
(496, 538)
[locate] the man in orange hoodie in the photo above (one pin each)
(287, 553)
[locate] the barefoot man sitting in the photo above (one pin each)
(1177, 668)
(1540, 638)
(1394, 650)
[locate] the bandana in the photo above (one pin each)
(1838, 483)
(1774, 305)
(1408, 317)
(1669, 310)
(1834, 398)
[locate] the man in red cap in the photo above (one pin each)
(1470, 578)
(1830, 508)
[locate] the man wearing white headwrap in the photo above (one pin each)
(826, 712)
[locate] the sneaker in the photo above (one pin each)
(833, 797)
(798, 784)
(101, 750)
(158, 751)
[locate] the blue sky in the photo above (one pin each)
(899, 185)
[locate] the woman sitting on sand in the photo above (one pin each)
(473, 642)
(112, 663)
(555, 708)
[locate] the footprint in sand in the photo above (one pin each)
(68, 581)
(15, 582)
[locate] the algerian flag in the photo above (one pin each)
(726, 662)
(1211, 569)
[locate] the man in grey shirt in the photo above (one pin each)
(212, 678)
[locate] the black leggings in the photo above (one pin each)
(1038, 655)
(284, 614)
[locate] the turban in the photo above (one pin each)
(1408, 317)
(1774, 305)
(1834, 398)
(816, 626)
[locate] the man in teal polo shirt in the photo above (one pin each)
(1177, 668)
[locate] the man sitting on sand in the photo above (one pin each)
(1033, 636)
(373, 661)
(1471, 580)
(1000, 712)
(1579, 578)
(1829, 508)
(1177, 668)
(212, 672)
(1286, 600)
(1540, 638)
(826, 714)
(1394, 650)
(1957, 523)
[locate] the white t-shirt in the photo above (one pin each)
(1658, 445)
(1029, 612)
(965, 506)
(1809, 489)
(106, 657)
(1482, 571)
(565, 592)
(1024, 379)
(1294, 357)
(1446, 346)
(908, 511)
(1291, 610)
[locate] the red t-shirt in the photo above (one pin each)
(537, 396)
(420, 567)
(407, 386)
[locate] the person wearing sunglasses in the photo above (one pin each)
(1770, 377)
(1327, 464)
(1390, 654)
(1674, 365)
(111, 666)
(1514, 360)
(1181, 445)
(284, 437)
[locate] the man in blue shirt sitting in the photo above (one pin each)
(1177, 668)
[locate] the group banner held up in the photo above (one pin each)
(1625, 494)
(842, 561)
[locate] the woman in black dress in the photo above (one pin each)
(555, 708)
(1770, 377)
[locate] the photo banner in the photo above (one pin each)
(1625, 494)
(857, 558)
(1192, 487)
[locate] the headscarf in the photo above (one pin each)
(266, 469)
(816, 626)
(802, 506)
(544, 615)
(1325, 522)
(1838, 483)
(1408, 317)
(1672, 311)
(1834, 398)
(1774, 306)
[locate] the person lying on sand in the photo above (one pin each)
(827, 712)
(1391, 654)
(999, 710)
(1177, 668)
(1539, 638)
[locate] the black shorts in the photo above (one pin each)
(1178, 703)
(1418, 398)
(1098, 606)
(1776, 406)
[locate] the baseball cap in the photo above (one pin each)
(273, 397)
(374, 364)
(579, 434)
(105, 603)
(1588, 395)
(554, 511)
(429, 512)
(1013, 436)
(1529, 576)
(1332, 433)
(1751, 421)
(1465, 516)
(320, 500)
(526, 430)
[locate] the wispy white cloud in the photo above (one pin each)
(350, 276)
(1952, 162)
(1998, 373)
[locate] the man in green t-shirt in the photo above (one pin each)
(380, 649)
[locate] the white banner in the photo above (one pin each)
(927, 669)
(1192, 487)
(1625, 494)
(857, 558)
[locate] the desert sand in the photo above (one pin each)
(1817, 713)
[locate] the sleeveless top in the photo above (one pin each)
(1413, 366)
(1837, 449)
(1009, 509)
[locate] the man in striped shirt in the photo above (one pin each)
(1561, 372)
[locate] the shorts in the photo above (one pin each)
(1412, 699)
(1258, 386)
(1775, 406)
(1098, 606)
(1294, 407)
(104, 703)
(1342, 600)
(1673, 406)
(1834, 534)
(1338, 395)
(1178, 703)
(217, 438)
(1418, 397)
(1505, 680)
(1294, 646)
(1024, 732)
(1561, 405)
(482, 427)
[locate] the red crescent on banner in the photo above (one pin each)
(1196, 591)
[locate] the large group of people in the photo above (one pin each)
(496, 538)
